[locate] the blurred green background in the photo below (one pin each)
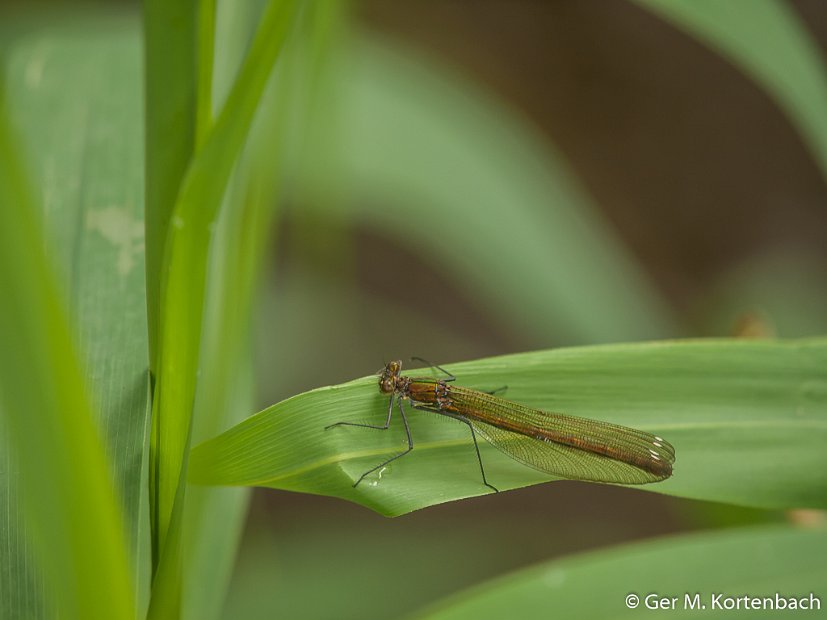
(475, 179)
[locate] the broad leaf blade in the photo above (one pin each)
(74, 95)
(172, 50)
(59, 476)
(754, 561)
(748, 420)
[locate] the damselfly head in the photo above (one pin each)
(388, 377)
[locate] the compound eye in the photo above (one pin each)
(386, 386)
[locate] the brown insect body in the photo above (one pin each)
(559, 444)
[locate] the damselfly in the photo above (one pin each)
(555, 443)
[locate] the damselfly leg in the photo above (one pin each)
(384, 427)
(473, 437)
(440, 368)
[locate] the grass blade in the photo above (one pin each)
(748, 420)
(183, 291)
(75, 95)
(170, 58)
(64, 480)
(754, 561)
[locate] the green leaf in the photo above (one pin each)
(172, 51)
(183, 289)
(74, 94)
(56, 466)
(225, 392)
(767, 40)
(424, 156)
(206, 14)
(199, 234)
(754, 561)
(748, 420)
